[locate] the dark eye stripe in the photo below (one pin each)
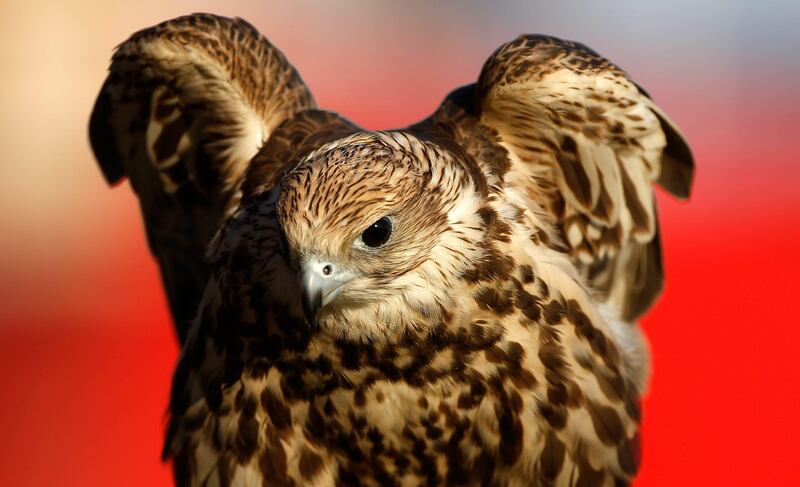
(378, 233)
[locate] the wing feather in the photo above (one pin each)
(586, 144)
(299, 135)
(185, 107)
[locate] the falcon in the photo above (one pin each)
(452, 303)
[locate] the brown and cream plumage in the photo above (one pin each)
(451, 303)
(185, 107)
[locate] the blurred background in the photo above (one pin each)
(86, 346)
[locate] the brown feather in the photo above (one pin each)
(186, 106)
(586, 141)
(464, 345)
(102, 138)
(677, 166)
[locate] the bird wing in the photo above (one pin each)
(585, 144)
(185, 107)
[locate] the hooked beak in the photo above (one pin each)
(320, 283)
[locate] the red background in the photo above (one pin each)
(86, 346)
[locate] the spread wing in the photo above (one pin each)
(586, 144)
(185, 107)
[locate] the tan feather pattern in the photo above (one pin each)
(464, 342)
(587, 144)
(496, 389)
(185, 107)
(293, 139)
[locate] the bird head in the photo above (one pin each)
(378, 227)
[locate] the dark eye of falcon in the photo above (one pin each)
(378, 233)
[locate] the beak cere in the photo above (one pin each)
(320, 283)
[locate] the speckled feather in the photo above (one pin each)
(586, 144)
(482, 344)
(186, 105)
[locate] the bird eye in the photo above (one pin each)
(378, 233)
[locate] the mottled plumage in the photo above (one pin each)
(450, 303)
(185, 107)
